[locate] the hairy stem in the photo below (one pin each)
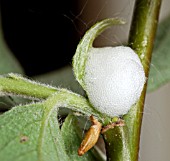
(14, 84)
(142, 34)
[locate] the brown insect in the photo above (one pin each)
(91, 136)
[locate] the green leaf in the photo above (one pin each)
(63, 78)
(81, 55)
(73, 140)
(160, 66)
(31, 133)
(8, 63)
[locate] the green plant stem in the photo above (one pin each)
(116, 142)
(14, 84)
(142, 34)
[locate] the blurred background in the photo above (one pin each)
(43, 35)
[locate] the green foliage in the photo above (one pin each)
(14, 84)
(31, 133)
(32, 130)
(8, 63)
(160, 65)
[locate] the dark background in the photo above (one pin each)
(39, 33)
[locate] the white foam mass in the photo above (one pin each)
(114, 79)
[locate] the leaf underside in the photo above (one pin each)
(160, 66)
(31, 133)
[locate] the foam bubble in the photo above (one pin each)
(114, 79)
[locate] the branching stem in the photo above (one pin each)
(142, 34)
